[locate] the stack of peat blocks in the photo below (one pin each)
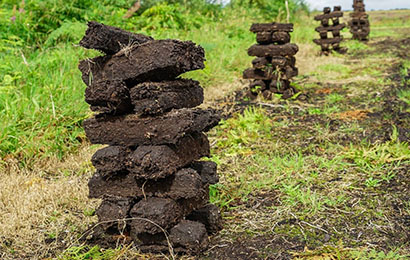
(359, 23)
(329, 23)
(274, 65)
(154, 190)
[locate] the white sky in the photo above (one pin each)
(370, 4)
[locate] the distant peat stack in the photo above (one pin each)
(153, 186)
(274, 65)
(330, 24)
(359, 23)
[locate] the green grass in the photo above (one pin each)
(385, 25)
(341, 70)
(41, 104)
(86, 253)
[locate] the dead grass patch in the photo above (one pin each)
(325, 91)
(44, 208)
(214, 93)
(352, 115)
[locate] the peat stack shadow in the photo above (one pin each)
(359, 23)
(330, 23)
(274, 65)
(154, 189)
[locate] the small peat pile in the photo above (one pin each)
(154, 190)
(274, 65)
(359, 23)
(330, 23)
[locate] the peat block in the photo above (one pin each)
(264, 37)
(208, 215)
(153, 162)
(281, 37)
(360, 21)
(111, 159)
(159, 240)
(185, 184)
(269, 74)
(271, 27)
(260, 62)
(108, 97)
(150, 98)
(283, 61)
(334, 14)
(328, 41)
(155, 215)
(133, 130)
(150, 161)
(122, 184)
(189, 235)
(271, 50)
(207, 170)
(258, 74)
(152, 61)
(330, 28)
(110, 39)
(264, 62)
(359, 15)
(257, 85)
(275, 37)
(188, 205)
(279, 86)
(112, 209)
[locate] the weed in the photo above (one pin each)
(373, 254)
(334, 98)
(85, 253)
(371, 182)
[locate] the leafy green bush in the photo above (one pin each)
(274, 10)
(168, 16)
(34, 20)
(68, 32)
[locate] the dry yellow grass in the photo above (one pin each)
(43, 203)
(213, 93)
(308, 59)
